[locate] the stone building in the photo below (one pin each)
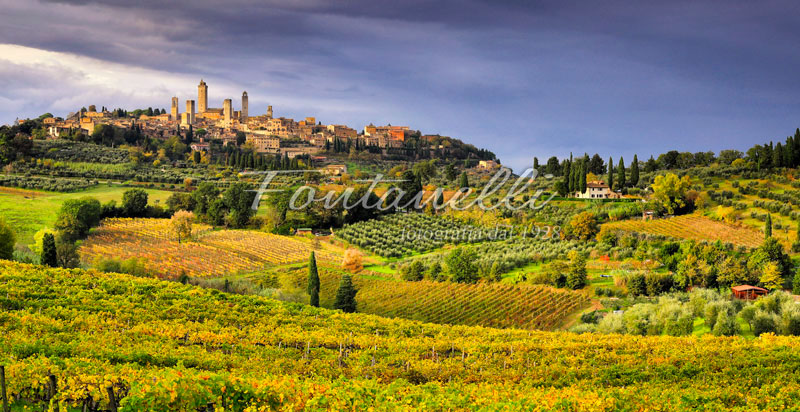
(188, 117)
(227, 111)
(265, 144)
(202, 97)
(245, 108)
(174, 111)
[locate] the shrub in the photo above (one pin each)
(765, 322)
(583, 328)
(435, 272)
(7, 240)
(790, 319)
(673, 318)
(461, 265)
(726, 324)
(590, 317)
(636, 284)
(353, 260)
(134, 202)
(413, 271)
(583, 226)
(612, 323)
(576, 278)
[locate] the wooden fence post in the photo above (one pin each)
(112, 401)
(6, 408)
(52, 388)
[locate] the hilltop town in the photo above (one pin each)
(265, 134)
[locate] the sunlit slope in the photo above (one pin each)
(164, 346)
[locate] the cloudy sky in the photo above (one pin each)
(521, 78)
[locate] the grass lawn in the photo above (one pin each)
(28, 211)
(596, 279)
(511, 276)
(385, 269)
(700, 328)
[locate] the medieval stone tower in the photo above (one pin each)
(174, 112)
(269, 112)
(243, 114)
(202, 97)
(227, 110)
(189, 112)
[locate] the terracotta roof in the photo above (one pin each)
(593, 184)
(742, 288)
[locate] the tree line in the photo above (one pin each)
(760, 157)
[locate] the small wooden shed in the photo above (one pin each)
(748, 292)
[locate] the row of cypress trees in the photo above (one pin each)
(345, 295)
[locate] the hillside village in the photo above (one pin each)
(264, 133)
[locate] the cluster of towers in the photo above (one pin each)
(226, 114)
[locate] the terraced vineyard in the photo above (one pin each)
(267, 247)
(150, 239)
(694, 227)
(485, 304)
(210, 254)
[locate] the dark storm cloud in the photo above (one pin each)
(522, 78)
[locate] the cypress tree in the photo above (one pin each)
(621, 173)
(777, 156)
(768, 226)
(535, 163)
(797, 147)
(583, 177)
(49, 257)
(463, 181)
(610, 173)
(576, 179)
(313, 280)
(346, 295)
(635, 171)
(571, 181)
(189, 135)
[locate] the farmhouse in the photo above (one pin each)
(597, 190)
(334, 170)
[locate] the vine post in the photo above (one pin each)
(6, 408)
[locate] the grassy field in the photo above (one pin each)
(30, 210)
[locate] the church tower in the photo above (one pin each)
(202, 97)
(269, 112)
(243, 115)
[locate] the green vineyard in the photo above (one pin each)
(484, 304)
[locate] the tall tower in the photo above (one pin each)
(174, 112)
(269, 112)
(227, 110)
(243, 115)
(202, 97)
(190, 111)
